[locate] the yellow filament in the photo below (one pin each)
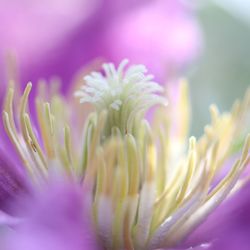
(190, 169)
(225, 181)
(9, 109)
(133, 161)
(101, 180)
(68, 145)
(151, 163)
(34, 143)
(49, 130)
(110, 151)
(91, 167)
(16, 143)
(24, 102)
(162, 163)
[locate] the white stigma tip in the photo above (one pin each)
(118, 87)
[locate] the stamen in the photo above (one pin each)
(152, 188)
(68, 148)
(34, 143)
(11, 133)
(9, 108)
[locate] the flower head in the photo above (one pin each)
(145, 187)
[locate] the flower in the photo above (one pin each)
(146, 185)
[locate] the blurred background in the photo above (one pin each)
(205, 41)
(222, 72)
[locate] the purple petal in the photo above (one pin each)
(54, 218)
(161, 34)
(12, 182)
(62, 47)
(228, 227)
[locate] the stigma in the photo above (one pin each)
(126, 94)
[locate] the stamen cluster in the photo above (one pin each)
(145, 193)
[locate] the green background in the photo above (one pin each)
(222, 72)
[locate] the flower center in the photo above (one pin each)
(125, 94)
(146, 190)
